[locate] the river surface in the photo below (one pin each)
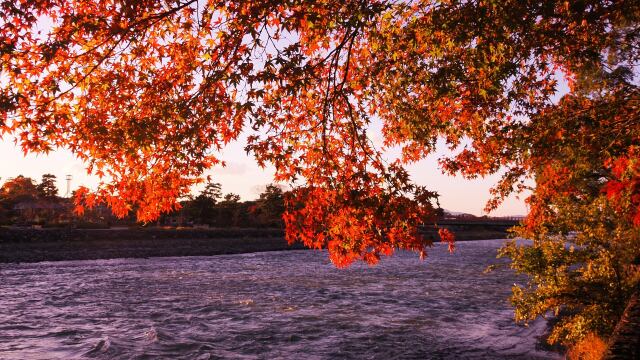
(274, 305)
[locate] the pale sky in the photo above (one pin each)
(244, 177)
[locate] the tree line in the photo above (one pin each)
(25, 201)
(212, 208)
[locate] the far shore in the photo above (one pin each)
(26, 245)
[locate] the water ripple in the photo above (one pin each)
(263, 306)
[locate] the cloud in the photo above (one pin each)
(232, 168)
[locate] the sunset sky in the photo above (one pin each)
(244, 177)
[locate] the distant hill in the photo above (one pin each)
(458, 214)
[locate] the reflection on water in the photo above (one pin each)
(263, 306)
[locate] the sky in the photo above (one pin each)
(244, 177)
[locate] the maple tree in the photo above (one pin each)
(147, 91)
(583, 216)
(19, 188)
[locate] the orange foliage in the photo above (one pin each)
(592, 347)
(147, 92)
(447, 236)
(626, 181)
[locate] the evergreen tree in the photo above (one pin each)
(47, 188)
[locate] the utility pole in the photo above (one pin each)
(68, 178)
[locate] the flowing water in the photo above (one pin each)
(275, 305)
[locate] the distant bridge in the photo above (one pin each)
(472, 228)
(480, 221)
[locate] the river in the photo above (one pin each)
(272, 305)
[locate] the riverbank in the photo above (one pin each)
(35, 245)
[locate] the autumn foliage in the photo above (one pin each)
(590, 348)
(147, 92)
(624, 187)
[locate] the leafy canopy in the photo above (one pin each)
(147, 92)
